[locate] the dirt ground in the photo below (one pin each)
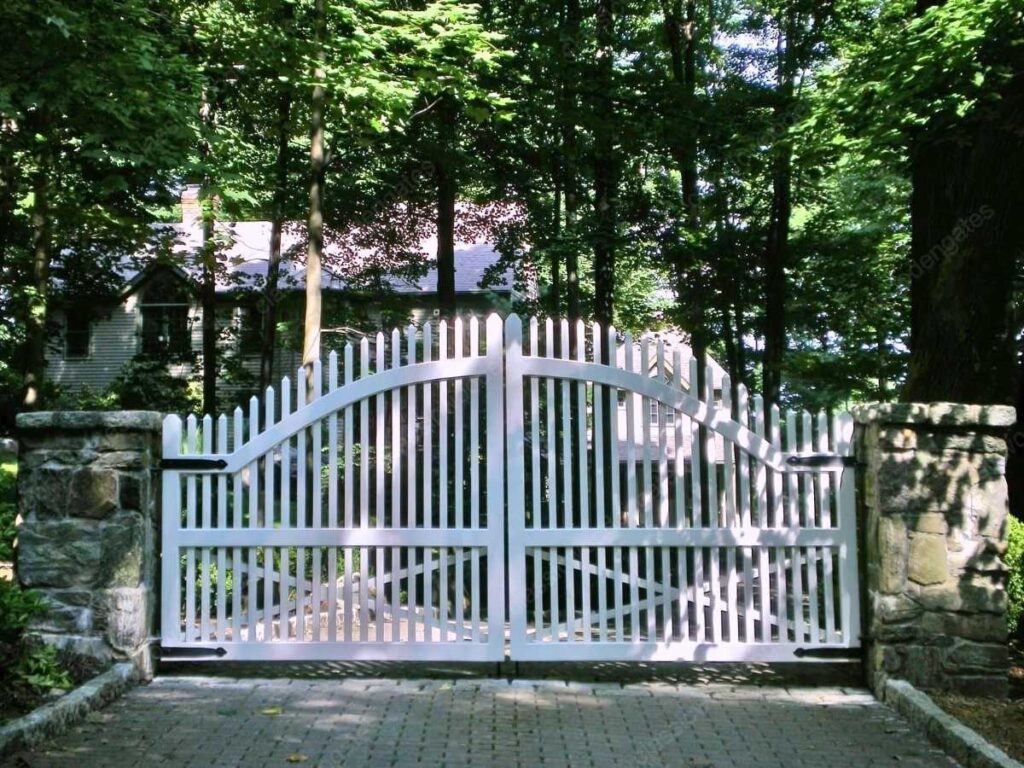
(1001, 722)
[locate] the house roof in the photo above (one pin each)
(244, 247)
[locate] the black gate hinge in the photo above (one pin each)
(186, 463)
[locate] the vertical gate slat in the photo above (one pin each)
(794, 521)
(237, 580)
(254, 501)
(663, 501)
(535, 475)
(347, 554)
(551, 477)
(698, 505)
(731, 521)
(474, 479)
(317, 512)
(268, 522)
(222, 523)
(807, 481)
(648, 493)
(284, 587)
(569, 511)
(190, 522)
(396, 488)
(428, 493)
(714, 515)
(459, 459)
(412, 509)
(332, 502)
(584, 480)
(680, 499)
(364, 492)
(566, 412)
(763, 570)
(616, 503)
(777, 520)
(300, 509)
(824, 491)
(746, 518)
(631, 497)
(346, 596)
(600, 510)
(442, 494)
(204, 602)
(379, 459)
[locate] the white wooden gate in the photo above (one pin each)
(367, 523)
(650, 519)
(646, 517)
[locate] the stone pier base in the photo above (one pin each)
(933, 510)
(90, 522)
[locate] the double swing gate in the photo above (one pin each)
(478, 489)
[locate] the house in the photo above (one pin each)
(157, 313)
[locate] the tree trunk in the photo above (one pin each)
(315, 225)
(691, 283)
(570, 171)
(554, 258)
(447, 190)
(605, 172)
(967, 233)
(776, 251)
(38, 305)
(268, 342)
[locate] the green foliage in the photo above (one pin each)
(1015, 584)
(147, 384)
(8, 509)
(28, 668)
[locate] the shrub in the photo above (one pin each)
(8, 510)
(28, 667)
(147, 384)
(1015, 585)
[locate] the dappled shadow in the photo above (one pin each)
(779, 674)
(934, 515)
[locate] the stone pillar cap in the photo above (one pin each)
(75, 421)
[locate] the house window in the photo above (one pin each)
(250, 340)
(165, 321)
(655, 413)
(77, 335)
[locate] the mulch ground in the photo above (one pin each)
(999, 721)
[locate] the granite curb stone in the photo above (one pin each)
(53, 719)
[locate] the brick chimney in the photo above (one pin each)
(191, 209)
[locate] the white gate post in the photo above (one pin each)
(496, 463)
(170, 512)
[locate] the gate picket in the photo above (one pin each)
(692, 529)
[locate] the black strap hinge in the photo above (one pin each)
(185, 463)
(190, 652)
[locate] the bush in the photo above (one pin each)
(29, 669)
(146, 384)
(1015, 585)
(8, 510)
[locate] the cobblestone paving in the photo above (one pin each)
(203, 721)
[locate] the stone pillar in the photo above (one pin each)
(88, 500)
(933, 515)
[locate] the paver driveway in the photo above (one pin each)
(202, 721)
